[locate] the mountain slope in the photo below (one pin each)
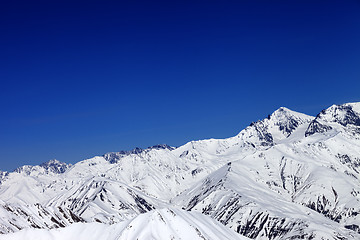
(287, 176)
(159, 224)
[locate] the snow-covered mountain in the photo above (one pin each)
(162, 224)
(288, 176)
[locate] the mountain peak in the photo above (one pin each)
(284, 113)
(162, 146)
(283, 109)
(114, 157)
(238, 181)
(344, 114)
(55, 166)
(355, 106)
(279, 125)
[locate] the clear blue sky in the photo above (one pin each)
(80, 79)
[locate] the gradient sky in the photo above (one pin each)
(80, 79)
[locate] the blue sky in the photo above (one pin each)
(80, 79)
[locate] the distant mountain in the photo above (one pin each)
(52, 166)
(288, 176)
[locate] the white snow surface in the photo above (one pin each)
(162, 224)
(288, 176)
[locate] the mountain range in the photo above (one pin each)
(288, 176)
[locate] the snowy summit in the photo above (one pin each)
(288, 176)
